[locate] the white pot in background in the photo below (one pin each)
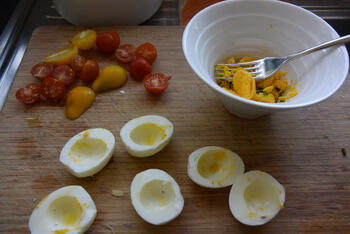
(107, 12)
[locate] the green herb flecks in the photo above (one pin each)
(343, 150)
(259, 90)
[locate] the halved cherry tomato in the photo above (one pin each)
(90, 71)
(62, 56)
(125, 53)
(147, 51)
(85, 40)
(156, 83)
(139, 68)
(42, 70)
(107, 42)
(64, 73)
(53, 90)
(77, 64)
(29, 94)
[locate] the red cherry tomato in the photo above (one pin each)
(156, 83)
(42, 70)
(29, 94)
(53, 90)
(125, 53)
(147, 51)
(77, 64)
(64, 73)
(90, 71)
(139, 68)
(107, 42)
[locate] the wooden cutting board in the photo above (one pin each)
(300, 148)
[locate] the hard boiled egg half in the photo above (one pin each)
(146, 135)
(214, 167)
(256, 198)
(156, 196)
(88, 152)
(68, 210)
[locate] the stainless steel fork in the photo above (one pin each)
(266, 67)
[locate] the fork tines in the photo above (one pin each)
(248, 66)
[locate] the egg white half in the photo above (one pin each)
(256, 198)
(146, 135)
(156, 196)
(214, 167)
(68, 210)
(88, 152)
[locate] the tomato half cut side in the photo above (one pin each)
(53, 90)
(30, 94)
(107, 42)
(125, 53)
(64, 73)
(90, 71)
(139, 68)
(42, 70)
(156, 83)
(62, 56)
(147, 51)
(77, 64)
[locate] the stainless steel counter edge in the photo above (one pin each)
(12, 47)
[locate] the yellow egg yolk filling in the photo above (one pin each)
(215, 166)
(273, 89)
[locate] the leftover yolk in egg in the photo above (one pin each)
(215, 166)
(157, 193)
(261, 199)
(67, 210)
(87, 149)
(61, 231)
(148, 134)
(273, 89)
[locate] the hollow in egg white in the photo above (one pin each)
(214, 167)
(147, 135)
(88, 152)
(256, 198)
(156, 196)
(69, 209)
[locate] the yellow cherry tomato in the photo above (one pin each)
(78, 101)
(85, 40)
(62, 56)
(110, 77)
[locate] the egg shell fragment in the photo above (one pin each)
(88, 152)
(214, 167)
(68, 210)
(256, 198)
(146, 135)
(156, 196)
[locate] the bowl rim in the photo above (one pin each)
(285, 106)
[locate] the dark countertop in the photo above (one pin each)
(20, 17)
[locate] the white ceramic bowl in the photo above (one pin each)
(107, 12)
(265, 28)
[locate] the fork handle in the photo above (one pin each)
(337, 41)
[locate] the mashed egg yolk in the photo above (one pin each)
(273, 89)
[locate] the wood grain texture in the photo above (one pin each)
(300, 148)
